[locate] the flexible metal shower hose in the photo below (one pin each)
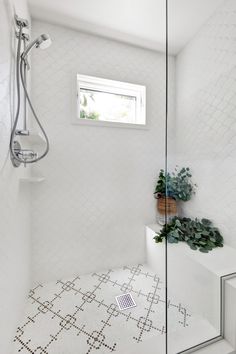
(20, 75)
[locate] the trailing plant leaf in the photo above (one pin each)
(177, 185)
(198, 234)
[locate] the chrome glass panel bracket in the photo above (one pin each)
(221, 336)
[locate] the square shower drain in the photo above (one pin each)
(125, 301)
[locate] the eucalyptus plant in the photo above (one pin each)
(85, 100)
(177, 184)
(198, 234)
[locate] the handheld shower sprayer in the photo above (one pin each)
(19, 155)
(42, 42)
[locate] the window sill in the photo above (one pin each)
(96, 123)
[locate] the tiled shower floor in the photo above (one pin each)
(80, 315)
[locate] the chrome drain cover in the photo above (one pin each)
(125, 301)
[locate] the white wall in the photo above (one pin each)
(206, 118)
(14, 197)
(98, 195)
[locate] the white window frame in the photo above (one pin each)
(116, 87)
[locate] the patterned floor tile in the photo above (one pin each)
(80, 315)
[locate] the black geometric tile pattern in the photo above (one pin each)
(80, 315)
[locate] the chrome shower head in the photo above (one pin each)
(43, 42)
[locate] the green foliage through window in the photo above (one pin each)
(84, 101)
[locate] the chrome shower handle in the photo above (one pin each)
(25, 154)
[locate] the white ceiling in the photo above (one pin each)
(139, 22)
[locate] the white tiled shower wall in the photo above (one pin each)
(90, 212)
(14, 197)
(206, 119)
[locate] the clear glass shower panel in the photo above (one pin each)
(200, 172)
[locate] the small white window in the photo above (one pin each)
(102, 100)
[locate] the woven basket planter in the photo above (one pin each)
(166, 205)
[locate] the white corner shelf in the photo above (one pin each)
(32, 179)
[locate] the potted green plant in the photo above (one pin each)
(173, 187)
(198, 234)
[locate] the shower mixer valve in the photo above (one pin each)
(26, 155)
